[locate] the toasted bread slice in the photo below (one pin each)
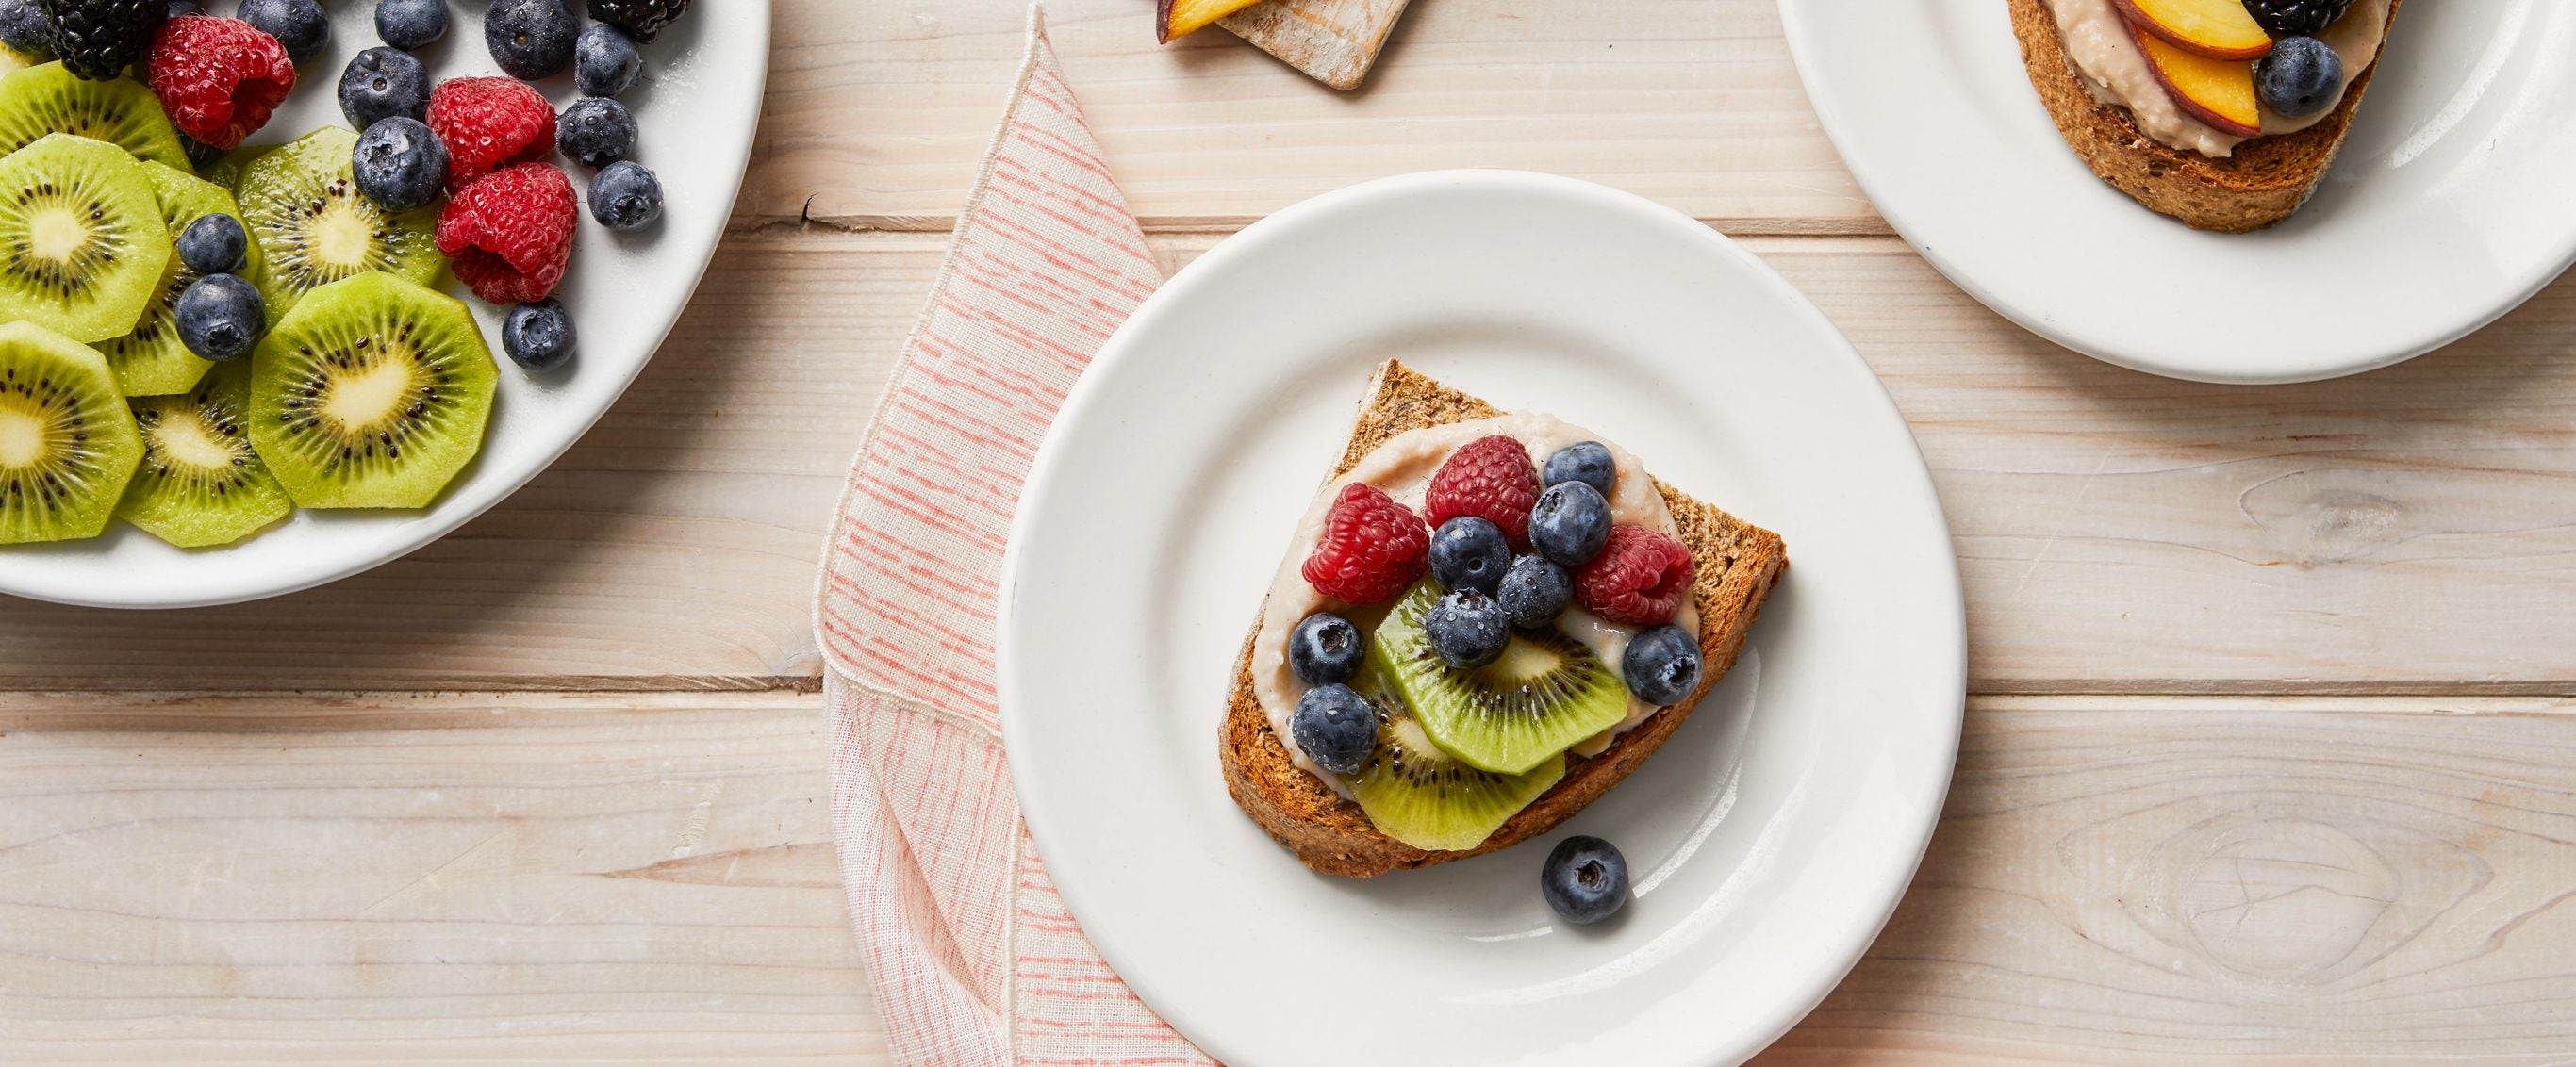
(1736, 564)
(2261, 184)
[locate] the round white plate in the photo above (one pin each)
(696, 109)
(1768, 839)
(2448, 206)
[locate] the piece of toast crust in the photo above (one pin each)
(2261, 184)
(1735, 565)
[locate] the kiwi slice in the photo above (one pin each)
(152, 361)
(1546, 693)
(12, 60)
(201, 482)
(227, 169)
(82, 244)
(67, 444)
(47, 99)
(372, 393)
(302, 207)
(1426, 798)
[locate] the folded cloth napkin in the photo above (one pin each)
(972, 956)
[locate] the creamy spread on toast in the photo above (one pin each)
(2115, 69)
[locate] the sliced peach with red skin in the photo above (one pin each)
(2219, 29)
(2219, 92)
(1177, 18)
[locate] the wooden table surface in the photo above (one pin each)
(2269, 760)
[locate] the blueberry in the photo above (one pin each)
(180, 9)
(221, 316)
(301, 25)
(410, 24)
(23, 26)
(1535, 591)
(625, 196)
(1467, 629)
(1588, 462)
(1661, 665)
(2299, 76)
(1470, 553)
(530, 39)
(604, 62)
(213, 244)
(1585, 879)
(381, 83)
(200, 154)
(595, 131)
(1325, 649)
(1570, 523)
(538, 336)
(399, 163)
(1336, 728)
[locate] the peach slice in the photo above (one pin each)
(2219, 92)
(2219, 29)
(1177, 18)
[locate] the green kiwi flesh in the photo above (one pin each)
(201, 483)
(372, 393)
(302, 206)
(1426, 798)
(47, 99)
(82, 244)
(227, 169)
(67, 444)
(151, 360)
(1544, 695)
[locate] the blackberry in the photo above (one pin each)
(2295, 18)
(641, 19)
(98, 39)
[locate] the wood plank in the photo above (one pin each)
(521, 877)
(2232, 883)
(1692, 102)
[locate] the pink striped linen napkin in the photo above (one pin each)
(971, 954)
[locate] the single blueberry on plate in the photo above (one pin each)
(1585, 879)
(538, 336)
(381, 83)
(1535, 591)
(214, 244)
(1336, 728)
(625, 196)
(2300, 76)
(1570, 523)
(221, 316)
(604, 61)
(23, 26)
(399, 163)
(411, 24)
(186, 8)
(595, 131)
(1588, 462)
(301, 25)
(1470, 553)
(1467, 629)
(1661, 665)
(1325, 649)
(530, 39)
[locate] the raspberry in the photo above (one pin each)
(488, 124)
(509, 236)
(1490, 478)
(1639, 579)
(218, 78)
(1371, 549)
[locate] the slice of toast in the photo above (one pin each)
(1735, 564)
(2262, 183)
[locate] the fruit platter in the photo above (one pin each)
(292, 291)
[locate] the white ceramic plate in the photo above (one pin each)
(2448, 206)
(1769, 838)
(696, 109)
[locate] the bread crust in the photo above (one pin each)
(1735, 566)
(2262, 183)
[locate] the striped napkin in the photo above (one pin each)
(972, 956)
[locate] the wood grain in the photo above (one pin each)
(512, 877)
(1332, 41)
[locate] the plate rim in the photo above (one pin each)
(1250, 241)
